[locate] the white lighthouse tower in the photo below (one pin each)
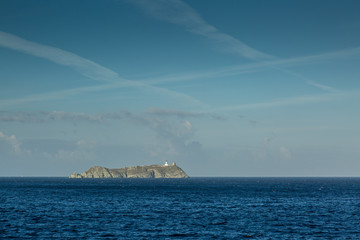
(166, 164)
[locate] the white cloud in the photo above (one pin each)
(173, 140)
(173, 137)
(13, 141)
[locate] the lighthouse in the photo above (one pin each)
(166, 164)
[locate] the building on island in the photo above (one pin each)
(167, 164)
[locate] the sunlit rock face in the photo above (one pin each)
(153, 171)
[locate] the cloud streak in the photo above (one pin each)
(182, 114)
(181, 14)
(322, 86)
(310, 82)
(84, 66)
(292, 101)
(40, 117)
(147, 118)
(260, 66)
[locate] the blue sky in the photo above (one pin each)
(223, 88)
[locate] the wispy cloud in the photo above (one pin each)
(33, 48)
(322, 86)
(310, 82)
(260, 66)
(84, 66)
(13, 141)
(76, 117)
(299, 100)
(173, 137)
(145, 118)
(62, 94)
(181, 14)
(100, 73)
(182, 114)
(53, 95)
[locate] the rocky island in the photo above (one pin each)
(152, 171)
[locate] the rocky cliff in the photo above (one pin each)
(153, 171)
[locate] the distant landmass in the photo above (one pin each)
(152, 171)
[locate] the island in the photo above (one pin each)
(152, 171)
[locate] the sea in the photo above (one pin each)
(194, 208)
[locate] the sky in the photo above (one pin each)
(222, 88)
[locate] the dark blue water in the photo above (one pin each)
(195, 208)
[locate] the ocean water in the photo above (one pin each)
(195, 208)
